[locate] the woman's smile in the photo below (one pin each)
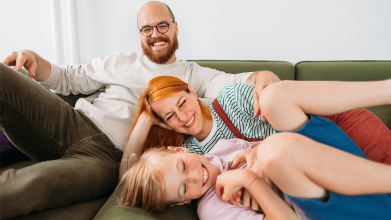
(190, 123)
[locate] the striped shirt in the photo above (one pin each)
(237, 102)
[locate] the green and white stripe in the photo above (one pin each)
(237, 102)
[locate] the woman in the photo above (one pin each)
(173, 104)
(292, 161)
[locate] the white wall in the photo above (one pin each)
(209, 29)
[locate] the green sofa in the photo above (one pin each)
(107, 207)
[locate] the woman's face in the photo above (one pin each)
(182, 113)
(188, 176)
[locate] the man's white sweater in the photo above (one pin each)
(116, 81)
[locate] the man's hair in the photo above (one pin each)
(144, 182)
(169, 10)
(162, 87)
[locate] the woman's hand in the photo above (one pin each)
(155, 121)
(230, 182)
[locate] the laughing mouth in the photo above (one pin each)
(191, 120)
(205, 175)
(159, 43)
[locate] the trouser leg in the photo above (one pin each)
(37, 122)
(46, 128)
(89, 171)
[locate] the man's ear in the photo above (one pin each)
(192, 91)
(181, 203)
(179, 149)
(176, 28)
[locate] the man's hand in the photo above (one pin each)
(22, 58)
(31, 61)
(260, 80)
(250, 156)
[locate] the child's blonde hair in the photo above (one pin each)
(144, 182)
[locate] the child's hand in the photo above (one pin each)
(230, 182)
(250, 156)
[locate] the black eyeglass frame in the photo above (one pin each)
(156, 28)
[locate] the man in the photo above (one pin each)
(80, 148)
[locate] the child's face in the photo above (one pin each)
(188, 176)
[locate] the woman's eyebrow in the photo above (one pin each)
(179, 100)
(177, 103)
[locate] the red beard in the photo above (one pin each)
(161, 56)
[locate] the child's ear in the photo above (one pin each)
(181, 203)
(179, 149)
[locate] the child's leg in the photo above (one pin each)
(302, 167)
(285, 104)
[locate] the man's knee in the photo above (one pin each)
(273, 95)
(10, 79)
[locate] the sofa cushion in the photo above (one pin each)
(349, 71)
(111, 210)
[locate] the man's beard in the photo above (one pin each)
(161, 56)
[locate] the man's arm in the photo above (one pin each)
(65, 80)
(260, 80)
(37, 67)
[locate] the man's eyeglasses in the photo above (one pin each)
(162, 28)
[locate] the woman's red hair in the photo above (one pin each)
(162, 87)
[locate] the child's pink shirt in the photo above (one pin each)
(210, 206)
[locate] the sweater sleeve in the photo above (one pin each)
(76, 79)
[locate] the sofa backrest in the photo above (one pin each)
(284, 70)
(348, 71)
(306, 70)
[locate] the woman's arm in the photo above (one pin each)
(274, 207)
(135, 143)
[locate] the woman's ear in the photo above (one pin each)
(181, 203)
(192, 91)
(179, 149)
